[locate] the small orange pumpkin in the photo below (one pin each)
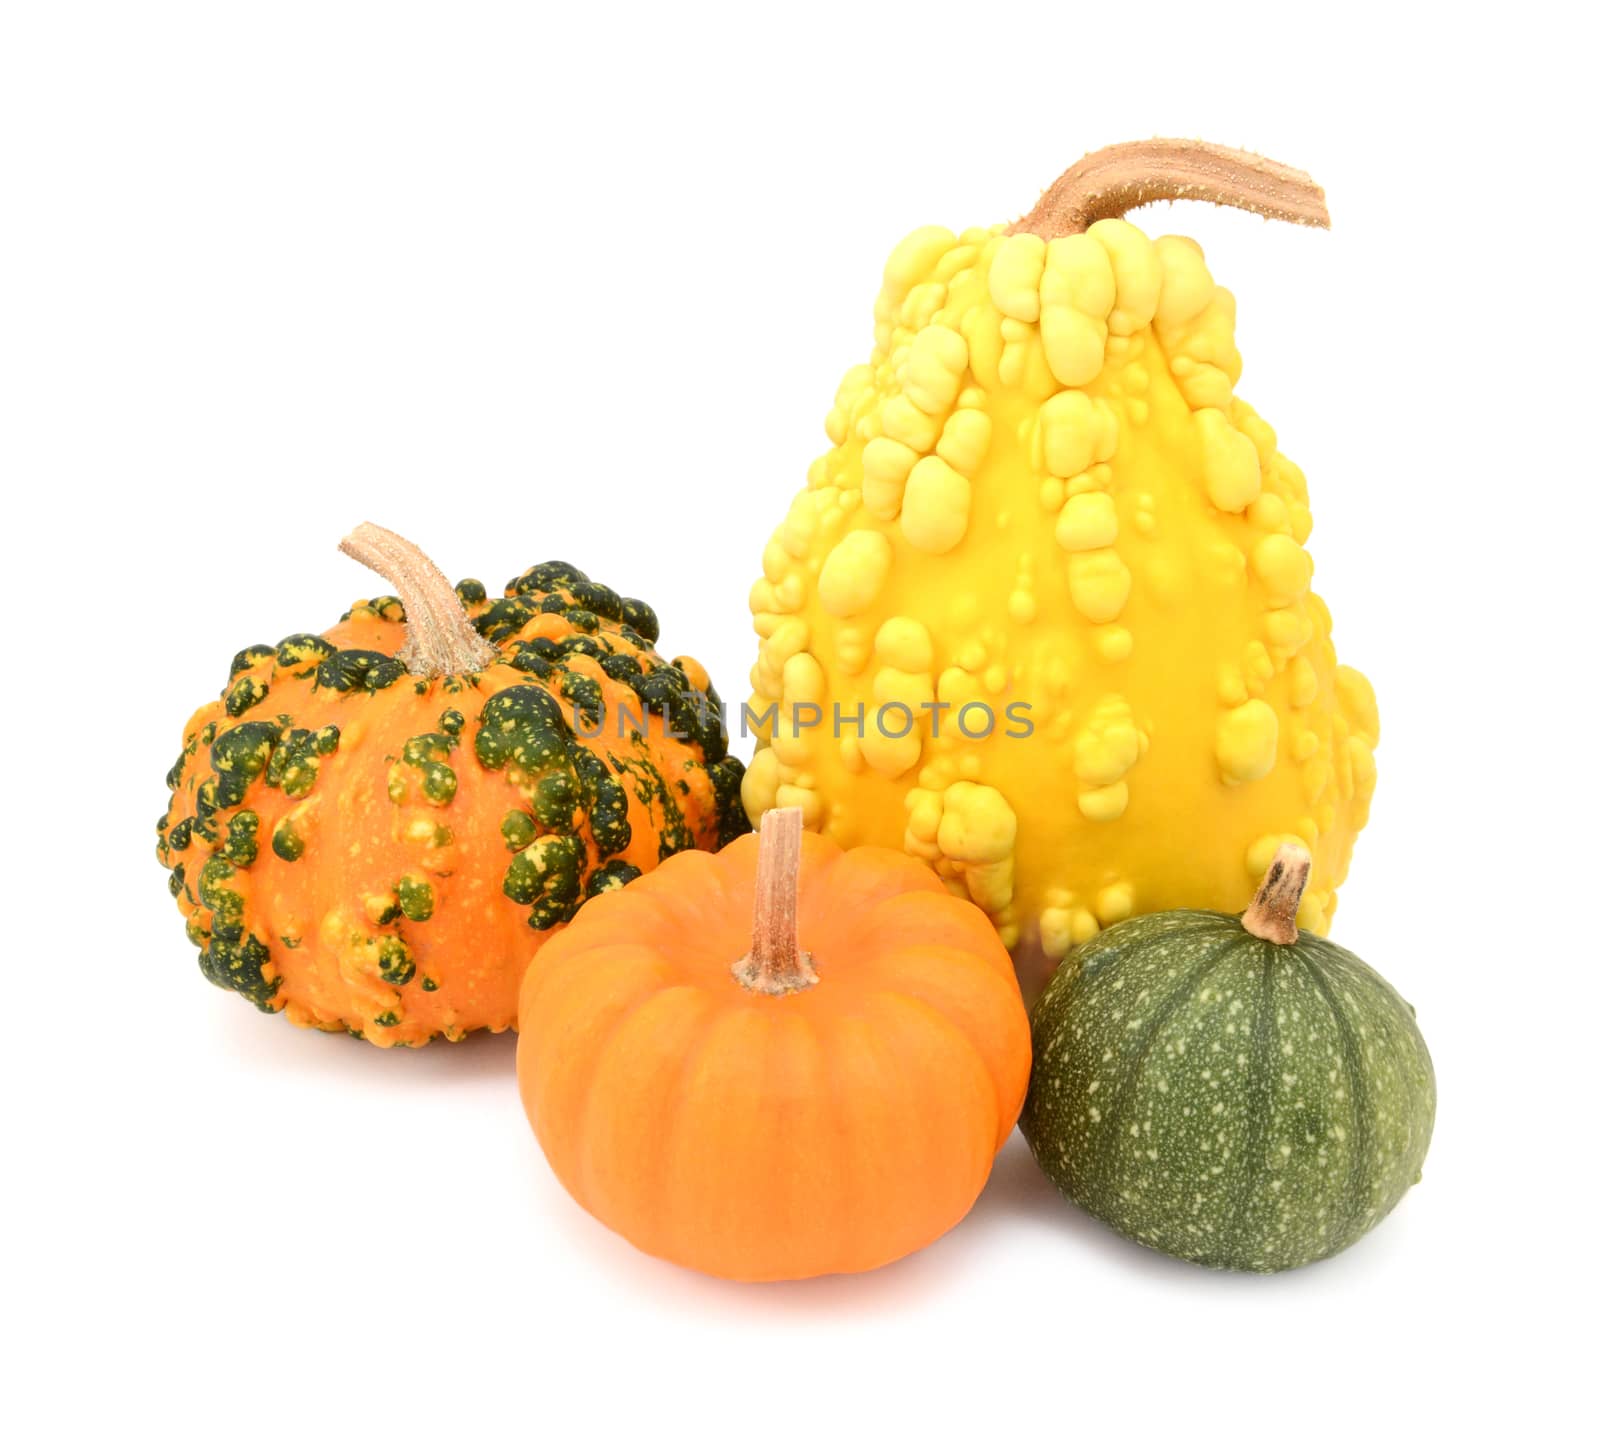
(826, 1095)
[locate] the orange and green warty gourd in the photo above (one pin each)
(1046, 507)
(375, 829)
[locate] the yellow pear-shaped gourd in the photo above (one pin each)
(1042, 616)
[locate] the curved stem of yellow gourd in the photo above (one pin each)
(1109, 182)
(440, 639)
(776, 964)
(1272, 912)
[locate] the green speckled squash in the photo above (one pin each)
(1229, 1090)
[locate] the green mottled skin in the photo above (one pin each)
(524, 727)
(548, 876)
(395, 964)
(299, 655)
(297, 757)
(726, 776)
(652, 792)
(238, 756)
(246, 691)
(286, 841)
(1224, 1099)
(240, 847)
(347, 670)
(250, 658)
(518, 830)
(570, 817)
(414, 896)
(607, 803)
(429, 755)
(238, 961)
(611, 875)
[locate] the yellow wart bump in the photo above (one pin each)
(803, 679)
(1247, 742)
(905, 644)
(885, 465)
(905, 422)
(1076, 294)
(1115, 903)
(1203, 359)
(1303, 683)
(1107, 802)
(1099, 583)
(1087, 522)
(978, 832)
(964, 443)
(1115, 643)
(890, 744)
(1283, 566)
(1108, 746)
(938, 499)
(1186, 283)
(854, 572)
(1014, 275)
(921, 305)
(1357, 701)
(1074, 432)
(914, 258)
(807, 801)
(959, 687)
(1229, 465)
(852, 648)
(933, 370)
(976, 824)
(1136, 270)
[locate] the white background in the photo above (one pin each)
(528, 285)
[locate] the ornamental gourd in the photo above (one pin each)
(1227, 1090)
(1042, 616)
(823, 1095)
(375, 829)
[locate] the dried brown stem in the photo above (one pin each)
(440, 639)
(1109, 182)
(776, 964)
(1271, 913)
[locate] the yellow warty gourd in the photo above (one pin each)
(1046, 511)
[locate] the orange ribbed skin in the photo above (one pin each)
(763, 1137)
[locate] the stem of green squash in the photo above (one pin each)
(776, 964)
(1109, 182)
(440, 639)
(1272, 912)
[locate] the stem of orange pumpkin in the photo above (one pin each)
(1271, 913)
(440, 639)
(1109, 182)
(776, 964)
